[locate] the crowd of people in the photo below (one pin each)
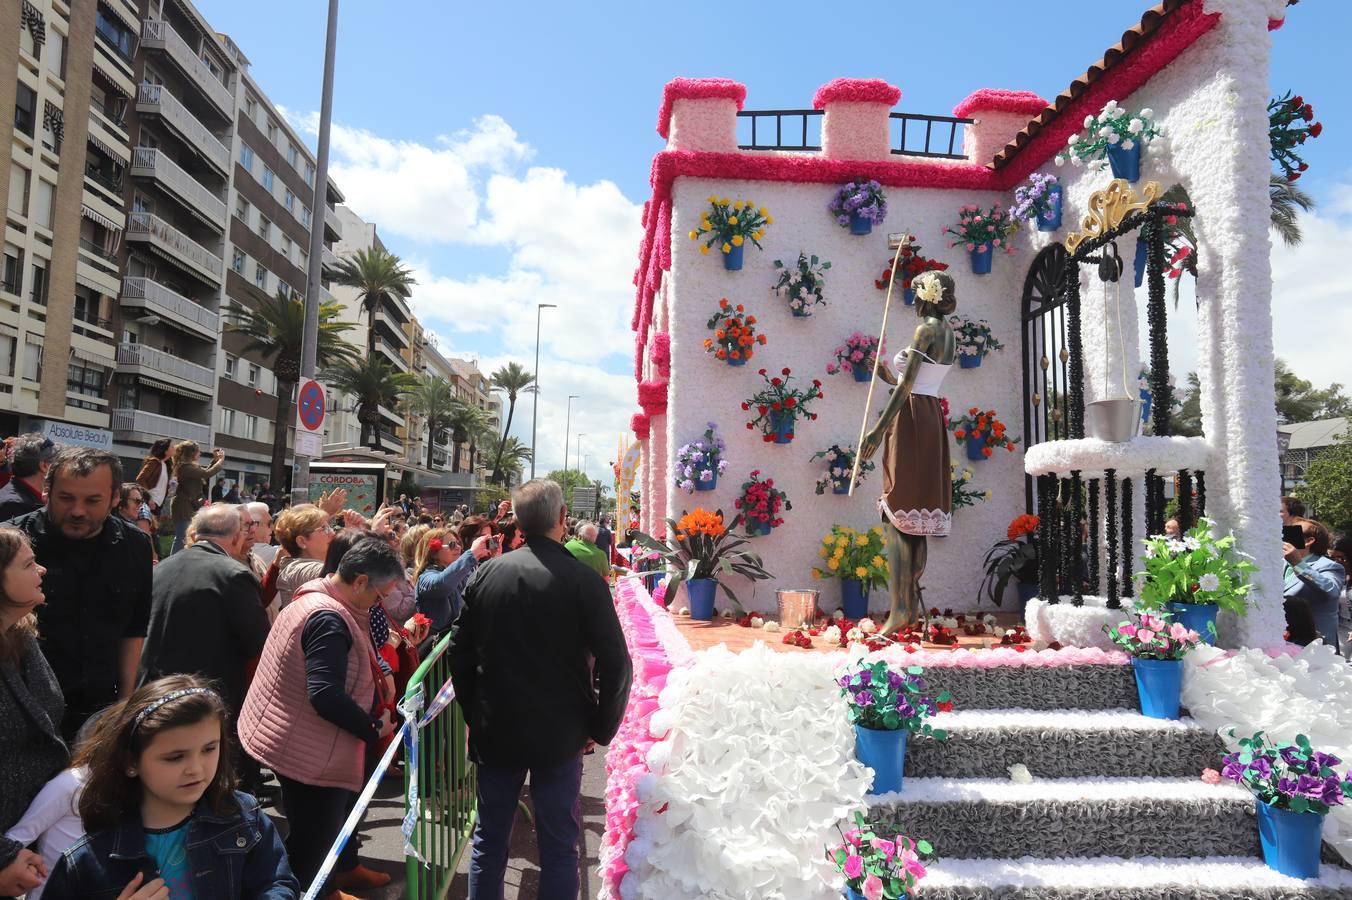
(148, 705)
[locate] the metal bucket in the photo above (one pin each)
(1117, 419)
(796, 607)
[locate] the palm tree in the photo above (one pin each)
(467, 422)
(514, 379)
(378, 274)
(1287, 202)
(274, 329)
(514, 456)
(433, 398)
(375, 382)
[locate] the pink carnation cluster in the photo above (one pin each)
(1153, 637)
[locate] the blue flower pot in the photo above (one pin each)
(1050, 218)
(1290, 840)
(803, 313)
(732, 260)
(1146, 398)
(758, 528)
(908, 296)
(853, 598)
(701, 591)
(740, 361)
(707, 485)
(981, 260)
(782, 424)
(1200, 617)
(1027, 590)
(1139, 263)
(885, 753)
(1125, 163)
(862, 371)
(969, 362)
(850, 893)
(974, 448)
(1158, 682)
(840, 487)
(860, 225)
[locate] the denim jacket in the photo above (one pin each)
(236, 855)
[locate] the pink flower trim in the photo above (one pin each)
(856, 90)
(640, 423)
(661, 353)
(993, 100)
(1274, 24)
(652, 396)
(696, 89)
(997, 657)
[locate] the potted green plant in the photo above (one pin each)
(702, 551)
(885, 703)
(1014, 558)
(1114, 134)
(981, 234)
(802, 285)
(728, 225)
(1193, 576)
(779, 405)
(759, 506)
(839, 463)
(963, 493)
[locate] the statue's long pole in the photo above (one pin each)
(877, 361)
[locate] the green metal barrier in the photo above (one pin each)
(446, 787)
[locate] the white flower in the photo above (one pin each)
(867, 626)
(757, 621)
(1110, 107)
(1060, 160)
(1209, 582)
(683, 611)
(1191, 542)
(727, 614)
(831, 635)
(771, 627)
(1070, 141)
(1147, 113)
(988, 619)
(838, 614)
(1135, 126)
(1019, 774)
(854, 636)
(949, 622)
(1088, 121)
(1105, 131)
(1127, 145)
(1113, 138)
(998, 631)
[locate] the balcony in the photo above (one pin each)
(127, 423)
(157, 35)
(156, 99)
(395, 329)
(148, 163)
(175, 245)
(135, 358)
(330, 259)
(171, 306)
(391, 352)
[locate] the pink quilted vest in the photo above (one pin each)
(278, 726)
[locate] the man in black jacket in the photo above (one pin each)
(541, 669)
(30, 458)
(205, 614)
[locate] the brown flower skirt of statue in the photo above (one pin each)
(917, 481)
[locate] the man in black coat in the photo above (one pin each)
(206, 617)
(30, 457)
(541, 670)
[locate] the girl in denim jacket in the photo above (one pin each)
(161, 815)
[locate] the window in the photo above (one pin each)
(231, 366)
(246, 156)
(118, 36)
(27, 42)
(289, 201)
(250, 106)
(18, 189)
(304, 261)
(309, 174)
(237, 262)
(37, 289)
(292, 155)
(242, 208)
(260, 276)
(32, 361)
(13, 272)
(56, 53)
(227, 420)
(253, 374)
(87, 381)
(25, 109)
(250, 428)
(211, 64)
(267, 178)
(305, 217)
(272, 132)
(287, 244)
(7, 354)
(283, 288)
(265, 229)
(42, 203)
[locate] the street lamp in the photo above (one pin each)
(535, 397)
(568, 429)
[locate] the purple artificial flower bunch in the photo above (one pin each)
(882, 697)
(1031, 200)
(859, 198)
(1288, 776)
(700, 460)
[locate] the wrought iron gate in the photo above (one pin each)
(1047, 331)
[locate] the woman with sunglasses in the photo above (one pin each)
(133, 506)
(441, 569)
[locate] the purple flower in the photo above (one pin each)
(864, 698)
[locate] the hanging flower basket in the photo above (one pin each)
(779, 405)
(1039, 200)
(802, 285)
(700, 462)
(735, 338)
(839, 465)
(759, 507)
(981, 234)
(1112, 139)
(728, 225)
(910, 263)
(974, 340)
(856, 357)
(982, 433)
(859, 205)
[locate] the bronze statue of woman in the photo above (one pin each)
(917, 499)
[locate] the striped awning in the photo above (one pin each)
(183, 389)
(100, 218)
(128, 19)
(109, 150)
(112, 84)
(94, 284)
(90, 356)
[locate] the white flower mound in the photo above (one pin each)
(756, 770)
(1310, 694)
(1074, 626)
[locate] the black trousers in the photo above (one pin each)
(315, 815)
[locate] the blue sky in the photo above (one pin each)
(503, 148)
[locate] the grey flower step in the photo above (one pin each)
(1062, 744)
(1126, 817)
(1149, 878)
(1106, 686)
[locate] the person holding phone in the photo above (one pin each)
(441, 569)
(1313, 577)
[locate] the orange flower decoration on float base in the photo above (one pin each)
(1022, 525)
(701, 521)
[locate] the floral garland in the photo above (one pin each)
(760, 505)
(839, 463)
(911, 263)
(735, 335)
(802, 285)
(861, 198)
(982, 427)
(701, 460)
(963, 493)
(854, 554)
(1112, 127)
(978, 231)
(730, 224)
(858, 352)
(974, 338)
(779, 400)
(1287, 130)
(1033, 200)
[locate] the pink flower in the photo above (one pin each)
(873, 888)
(888, 848)
(852, 836)
(1145, 635)
(854, 866)
(1127, 630)
(982, 249)
(1178, 631)
(971, 246)
(1211, 776)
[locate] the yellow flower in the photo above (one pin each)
(713, 198)
(823, 553)
(861, 541)
(704, 249)
(769, 220)
(724, 201)
(842, 541)
(988, 495)
(828, 540)
(878, 530)
(759, 234)
(726, 248)
(878, 562)
(816, 573)
(732, 220)
(737, 240)
(694, 235)
(860, 572)
(762, 211)
(705, 224)
(738, 205)
(833, 564)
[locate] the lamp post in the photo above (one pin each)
(568, 429)
(535, 397)
(579, 449)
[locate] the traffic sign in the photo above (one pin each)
(584, 501)
(309, 444)
(310, 405)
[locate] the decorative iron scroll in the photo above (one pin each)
(1108, 207)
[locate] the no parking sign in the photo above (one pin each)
(310, 405)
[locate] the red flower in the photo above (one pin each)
(821, 394)
(768, 438)
(763, 409)
(762, 372)
(750, 425)
(790, 403)
(1316, 129)
(946, 706)
(785, 371)
(746, 407)
(1307, 112)
(1297, 101)
(775, 406)
(816, 383)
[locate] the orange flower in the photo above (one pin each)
(1024, 524)
(723, 304)
(760, 339)
(721, 354)
(708, 342)
(973, 411)
(735, 354)
(720, 334)
(986, 452)
(751, 320)
(701, 521)
(980, 421)
(740, 308)
(960, 434)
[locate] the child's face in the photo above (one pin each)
(179, 763)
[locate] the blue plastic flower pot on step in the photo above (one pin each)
(1158, 683)
(702, 485)
(850, 893)
(969, 362)
(1291, 840)
(853, 598)
(862, 371)
(1200, 617)
(732, 260)
(1125, 163)
(1139, 263)
(885, 753)
(860, 225)
(981, 261)
(1050, 218)
(701, 591)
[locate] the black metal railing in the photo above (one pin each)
(912, 134)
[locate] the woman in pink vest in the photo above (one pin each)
(307, 716)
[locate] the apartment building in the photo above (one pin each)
(173, 255)
(67, 72)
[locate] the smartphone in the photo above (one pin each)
(493, 543)
(1294, 535)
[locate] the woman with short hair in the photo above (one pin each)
(304, 533)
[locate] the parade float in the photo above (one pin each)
(737, 772)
